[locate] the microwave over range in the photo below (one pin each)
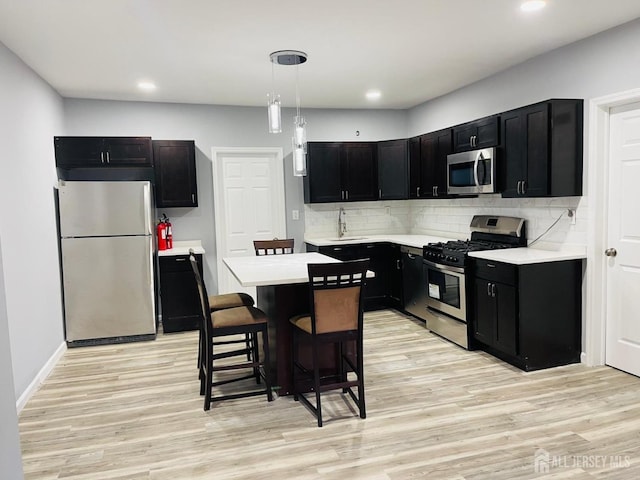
(473, 172)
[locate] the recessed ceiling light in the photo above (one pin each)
(532, 5)
(147, 86)
(373, 94)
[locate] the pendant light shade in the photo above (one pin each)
(299, 155)
(299, 142)
(274, 111)
(300, 132)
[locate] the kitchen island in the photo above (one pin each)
(282, 283)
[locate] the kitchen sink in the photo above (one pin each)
(345, 239)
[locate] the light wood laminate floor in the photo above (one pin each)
(434, 410)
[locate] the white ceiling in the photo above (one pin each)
(217, 51)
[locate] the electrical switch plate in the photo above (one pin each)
(295, 214)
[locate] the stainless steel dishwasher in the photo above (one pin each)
(413, 286)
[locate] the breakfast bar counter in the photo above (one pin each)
(283, 291)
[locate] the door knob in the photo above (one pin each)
(610, 252)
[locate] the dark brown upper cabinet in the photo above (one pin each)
(393, 168)
(89, 152)
(541, 150)
(340, 172)
(428, 164)
(480, 133)
(175, 171)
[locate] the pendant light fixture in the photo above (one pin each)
(299, 139)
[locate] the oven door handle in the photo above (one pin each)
(444, 268)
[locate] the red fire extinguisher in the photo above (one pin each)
(169, 233)
(162, 235)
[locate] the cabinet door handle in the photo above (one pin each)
(491, 265)
(524, 187)
(397, 264)
(488, 289)
(181, 259)
(101, 157)
(493, 289)
(108, 159)
(518, 187)
(379, 193)
(193, 198)
(337, 249)
(346, 194)
(417, 191)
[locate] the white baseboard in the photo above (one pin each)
(40, 377)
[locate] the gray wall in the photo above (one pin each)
(10, 460)
(30, 307)
(223, 126)
(30, 114)
(605, 63)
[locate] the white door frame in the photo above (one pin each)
(598, 192)
(280, 214)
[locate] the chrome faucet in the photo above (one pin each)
(342, 223)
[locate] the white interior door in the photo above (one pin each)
(249, 205)
(623, 263)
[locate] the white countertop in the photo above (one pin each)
(524, 256)
(516, 256)
(275, 269)
(182, 248)
(417, 241)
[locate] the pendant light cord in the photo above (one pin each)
(297, 91)
(273, 80)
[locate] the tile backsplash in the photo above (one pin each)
(451, 218)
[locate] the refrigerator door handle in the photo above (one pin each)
(151, 281)
(147, 209)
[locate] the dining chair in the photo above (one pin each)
(246, 320)
(336, 313)
(273, 247)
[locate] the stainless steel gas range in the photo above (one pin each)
(445, 272)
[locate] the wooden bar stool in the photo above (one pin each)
(246, 320)
(222, 302)
(336, 291)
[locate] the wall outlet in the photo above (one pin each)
(572, 216)
(295, 214)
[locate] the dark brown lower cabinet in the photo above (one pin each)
(528, 315)
(179, 294)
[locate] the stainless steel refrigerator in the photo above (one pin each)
(107, 246)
